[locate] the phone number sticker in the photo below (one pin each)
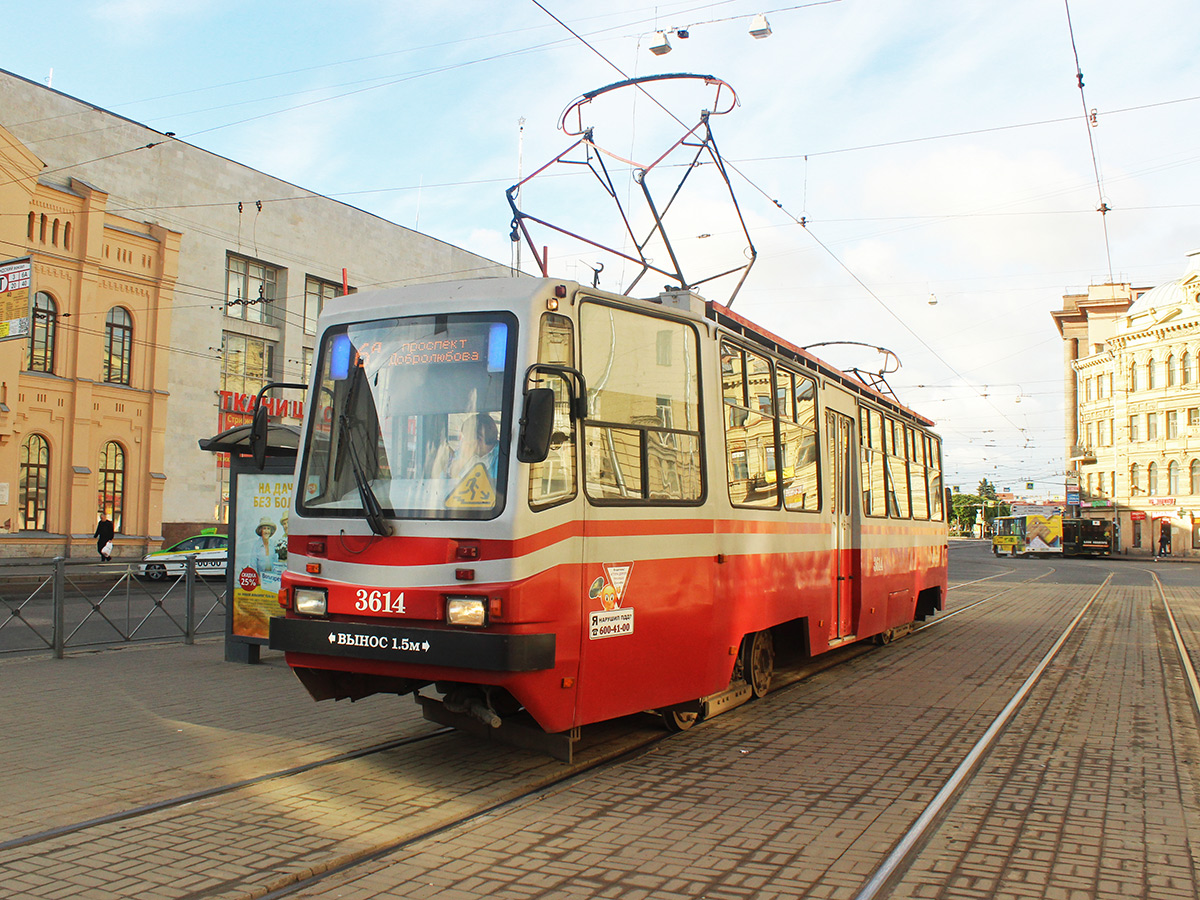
(610, 623)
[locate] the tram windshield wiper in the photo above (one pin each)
(370, 503)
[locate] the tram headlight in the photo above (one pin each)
(466, 611)
(311, 601)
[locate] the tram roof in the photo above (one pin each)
(727, 318)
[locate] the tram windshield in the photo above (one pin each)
(411, 414)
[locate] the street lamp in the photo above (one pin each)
(660, 46)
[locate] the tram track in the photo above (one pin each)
(255, 798)
(275, 812)
(785, 678)
(892, 872)
(254, 810)
(900, 856)
(195, 796)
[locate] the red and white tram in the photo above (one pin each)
(529, 499)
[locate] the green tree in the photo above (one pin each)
(986, 489)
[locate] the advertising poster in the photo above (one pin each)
(14, 299)
(259, 550)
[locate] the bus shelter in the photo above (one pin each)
(259, 500)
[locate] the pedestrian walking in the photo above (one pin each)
(104, 537)
(1164, 539)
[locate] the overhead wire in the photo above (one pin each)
(1103, 208)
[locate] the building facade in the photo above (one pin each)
(257, 259)
(83, 396)
(1132, 388)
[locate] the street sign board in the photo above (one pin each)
(14, 298)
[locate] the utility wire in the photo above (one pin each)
(800, 221)
(1103, 208)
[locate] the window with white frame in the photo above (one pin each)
(251, 288)
(318, 292)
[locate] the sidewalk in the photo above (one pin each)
(103, 731)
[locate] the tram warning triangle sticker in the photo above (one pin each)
(474, 491)
(618, 577)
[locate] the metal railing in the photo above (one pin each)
(59, 605)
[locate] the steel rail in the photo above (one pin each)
(902, 854)
(962, 609)
(1185, 658)
(170, 803)
(296, 882)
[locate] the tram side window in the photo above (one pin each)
(874, 462)
(552, 481)
(897, 470)
(917, 473)
(642, 435)
(936, 493)
(749, 427)
(798, 440)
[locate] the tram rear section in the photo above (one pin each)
(545, 506)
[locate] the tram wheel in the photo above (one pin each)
(758, 662)
(677, 720)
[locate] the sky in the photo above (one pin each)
(919, 176)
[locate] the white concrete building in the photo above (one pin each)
(258, 258)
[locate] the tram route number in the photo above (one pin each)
(610, 623)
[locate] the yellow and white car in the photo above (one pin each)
(210, 550)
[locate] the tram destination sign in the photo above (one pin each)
(14, 298)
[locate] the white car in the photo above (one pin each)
(211, 551)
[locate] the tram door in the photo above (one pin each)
(839, 431)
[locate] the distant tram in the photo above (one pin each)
(1034, 535)
(538, 505)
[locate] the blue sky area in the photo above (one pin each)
(931, 148)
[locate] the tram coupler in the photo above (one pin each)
(471, 705)
(509, 732)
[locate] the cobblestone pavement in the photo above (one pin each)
(96, 733)
(1091, 791)
(803, 795)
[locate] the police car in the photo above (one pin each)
(209, 549)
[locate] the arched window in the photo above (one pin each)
(1173, 478)
(1187, 376)
(40, 355)
(111, 500)
(1134, 474)
(34, 487)
(32, 224)
(1195, 475)
(1172, 377)
(1152, 479)
(67, 236)
(1150, 380)
(118, 346)
(1133, 377)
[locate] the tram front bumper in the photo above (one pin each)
(452, 648)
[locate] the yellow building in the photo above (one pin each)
(1132, 390)
(83, 396)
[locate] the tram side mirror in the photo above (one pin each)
(258, 436)
(537, 424)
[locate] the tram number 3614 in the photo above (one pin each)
(378, 601)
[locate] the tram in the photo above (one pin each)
(538, 505)
(1036, 535)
